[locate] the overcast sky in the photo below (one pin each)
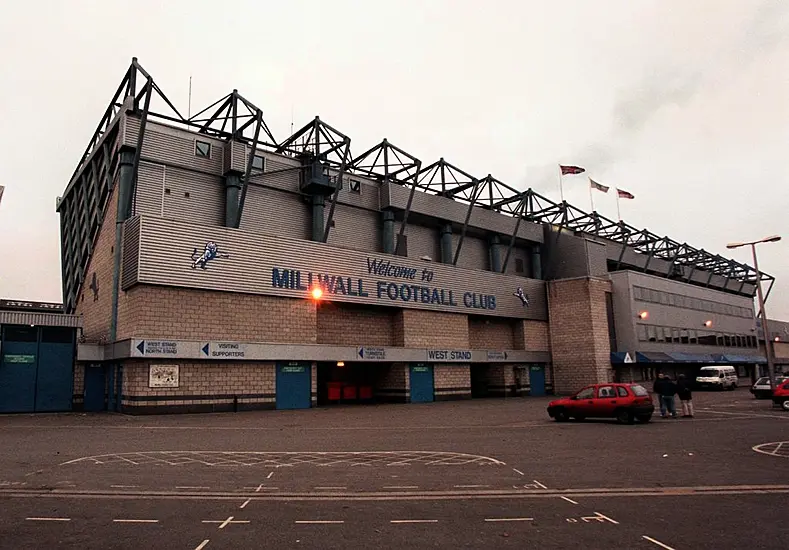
(684, 104)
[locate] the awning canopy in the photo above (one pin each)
(680, 357)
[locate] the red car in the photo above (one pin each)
(624, 402)
(781, 394)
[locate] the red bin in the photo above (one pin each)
(334, 390)
(349, 392)
(365, 393)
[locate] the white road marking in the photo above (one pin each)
(650, 539)
(745, 415)
(269, 476)
(318, 522)
(401, 487)
(34, 473)
(190, 487)
(124, 486)
(569, 500)
(226, 522)
(540, 484)
(330, 488)
(135, 521)
(259, 488)
(245, 503)
(202, 544)
(48, 519)
(469, 486)
(518, 471)
(509, 519)
(414, 521)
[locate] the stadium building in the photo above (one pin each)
(215, 267)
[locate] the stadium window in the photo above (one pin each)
(642, 332)
(519, 265)
(660, 335)
(355, 187)
(672, 299)
(663, 298)
(727, 340)
(684, 336)
(693, 337)
(202, 149)
(651, 333)
(637, 293)
(258, 163)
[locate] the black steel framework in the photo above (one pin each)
(233, 117)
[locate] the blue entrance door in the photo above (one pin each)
(54, 386)
(94, 388)
(537, 380)
(18, 366)
(293, 385)
(421, 383)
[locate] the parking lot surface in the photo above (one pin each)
(473, 474)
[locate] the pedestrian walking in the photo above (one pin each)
(665, 389)
(685, 396)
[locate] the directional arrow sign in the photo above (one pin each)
(361, 352)
(141, 347)
(204, 349)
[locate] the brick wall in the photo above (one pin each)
(353, 325)
(430, 329)
(531, 335)
(579, 333)
(97, 312)
(490, 333)
(203, 386)
(451, 382)
(190, 314)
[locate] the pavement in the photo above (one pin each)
(484, 473)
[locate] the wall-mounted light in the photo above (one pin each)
(708, 323)
(340, 363)
(777, 338)
(316, 293)
(643, 315)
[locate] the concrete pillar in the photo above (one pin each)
(388, 233)
(124, 206)
(318, 227)
(232, 194)
(494, 243)
(446, 244)
(536, 262)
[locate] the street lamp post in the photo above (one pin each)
(765, 328)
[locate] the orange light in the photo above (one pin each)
(317, 293)
(643, 315)
(707, 323)
(777, 338)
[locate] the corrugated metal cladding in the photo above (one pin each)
(274, 212)
(444, 208)
(165, 246)
(474, 254)
(179, 194)
(285, 174)
(355, 228)
(150, 190)
(193, 196)
(131, 252)
(174, 146)
(421, 240)
(40, 319)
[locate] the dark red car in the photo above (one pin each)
(781, 394)
(625, 402)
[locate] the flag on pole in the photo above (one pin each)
(624, 194)
(598, 186)
(1, 192)
(571, 170)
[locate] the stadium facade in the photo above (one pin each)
(217, 268)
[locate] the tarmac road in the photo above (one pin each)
(484, 473)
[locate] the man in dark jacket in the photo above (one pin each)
(665, 388)
(685, 396)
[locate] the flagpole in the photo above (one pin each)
(561, 190)
(591, 198)
(618, 213)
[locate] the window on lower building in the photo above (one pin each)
(641, 330)
(259, 163)
(519, 268)
(651, 333)
(693, 337)
(355, 187)
(202, 149)
(684, 338)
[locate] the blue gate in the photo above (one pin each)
(294, 384)
(94, 388)
(537, 380)
(55, 381)
(421, 376)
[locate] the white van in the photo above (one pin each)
(721, 377)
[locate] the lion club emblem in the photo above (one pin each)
(210, 252)
(524, 298)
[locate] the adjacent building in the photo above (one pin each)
(214, 267)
